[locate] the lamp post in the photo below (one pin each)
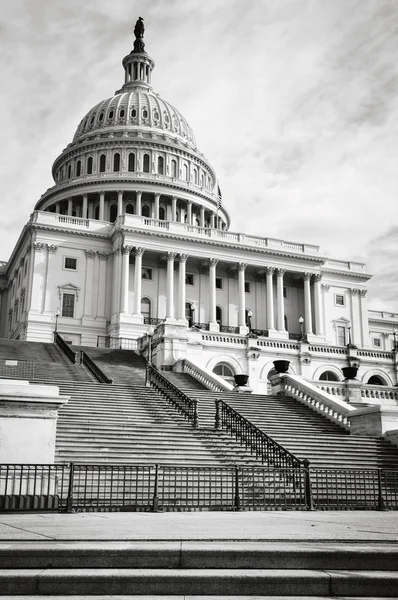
(301, 321)
(149, 334)
(249, 318)
(349, 335)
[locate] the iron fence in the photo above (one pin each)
(17, 369)
(81, 487)
(114, 343)
(187, 406)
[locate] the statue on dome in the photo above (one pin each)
(139, 31)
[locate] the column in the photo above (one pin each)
(51, 249)
(37, 278)
(189, 212)
(182, 259)
(318, 305)
(125, 278)
(119, 203)
(307, 304)
(170, 285)
(157, 198)
(70, 207)
(115, 280)
(102, 206)
(174, 209)
(84, 209)
(363, 305)
(212, 291)
(269, 271)
(138, 252)
(355, 317)
(101, 295)
(139, 204)
(212, 217)
(202, 216)
(241, 295)
(280, 317)
(88, 287)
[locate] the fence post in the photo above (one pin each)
(69, 500)
(237, 496)
(307, 484)
(381, 503)
(155, 502)
(195, 414)
(217, 424)
(147, 375)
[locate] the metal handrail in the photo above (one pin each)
(260, 443)
(94, 369)
(185, 405)
(71, 354)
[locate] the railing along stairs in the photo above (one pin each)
(203, 375)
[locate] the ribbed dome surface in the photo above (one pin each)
(135, 109)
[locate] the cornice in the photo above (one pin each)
(382, 321)
(42, 227)
(364, 276)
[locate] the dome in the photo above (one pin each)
(135, 109)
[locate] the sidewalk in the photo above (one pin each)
(208, 526)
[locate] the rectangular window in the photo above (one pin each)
(218, 283)
(376, 342)
(146, 273)
(339, 300)
(189, 279)
(68, 305)
(247, 287)
(70, 263)
(341, 335)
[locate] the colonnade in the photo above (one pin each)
(176, 310)
(195, 214)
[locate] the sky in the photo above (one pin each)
(294, 103)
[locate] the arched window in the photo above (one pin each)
(328, 376)
(116, 162)
(376, 380)
(195, 176)
(96, 212)
(185, 172)
(161, 165)
(146, 309)
(146, 211)
(113, 213)
(130, 209)
(224, 371)
(162, 214)
(89, 165)
(174, 168)
(131, 161)
(133, 113)
(102, 164)
(69, 171)
(219, 315)
(78, 168)
(145, 167)
(144, 113)
(122, 113)
(189, 313)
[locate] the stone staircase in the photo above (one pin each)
(178, 570)
(122, 366)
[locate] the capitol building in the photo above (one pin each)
(134, 240)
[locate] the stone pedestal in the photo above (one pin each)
(28, 421)
(352, 391)
(374, 420)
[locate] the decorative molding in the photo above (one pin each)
(126, 249)
(38, 246)
(212, 262)
(69, 288)
(242, 266)
(182, 258)
(90, 253)
(103, 255)
(280, 272)
(307, 276)
(318, 277)
(52, 248)
(354, 291)
(363, 293)
(326, 287)
(269, 270)
(138, 251)
(171, 256)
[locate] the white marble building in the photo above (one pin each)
(133, 234)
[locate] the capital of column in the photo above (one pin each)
(90, 253)
(102, 195)
(213, 262)
(354, 291)
(182, 258)
(138, 251)
(242, 266)
(52, 248)
(269, 270)
(171, 256)
(84, 196)
(363, 293)
(326, 287)
(280, 272)
(103, 255)
(116, 252)
(38, 246)
(318, 277)
(307, 276)
(126, 249)
(157, 195)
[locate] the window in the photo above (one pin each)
(224, 371)
(146, 309)
(131, 162)
(110, 116)
(185, 172)
(133, 113)
(68, 305)
(284, 292)
(286, 322)
(101, 117)
(146, 273)
(341, 335)
(102, 163)
(146, 211)
(69, 171)
(376, 380)
(189, 313)
(70, 263)
(339, 300)
(328, 376)
(90, 165)
(145, 114)
(218, 283)
(146, 163)
(96, 212)
(130, 209)
(160, 165)
(113, 213)
(156, 115)
(189, 279)
(247, 287)
(78, 168)
(376, 342)
(162, 214)
(122, 113)
(116, 162)
(195, 176)
(173, 168)
(219, 315)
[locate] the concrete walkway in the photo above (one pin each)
(246, 526)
